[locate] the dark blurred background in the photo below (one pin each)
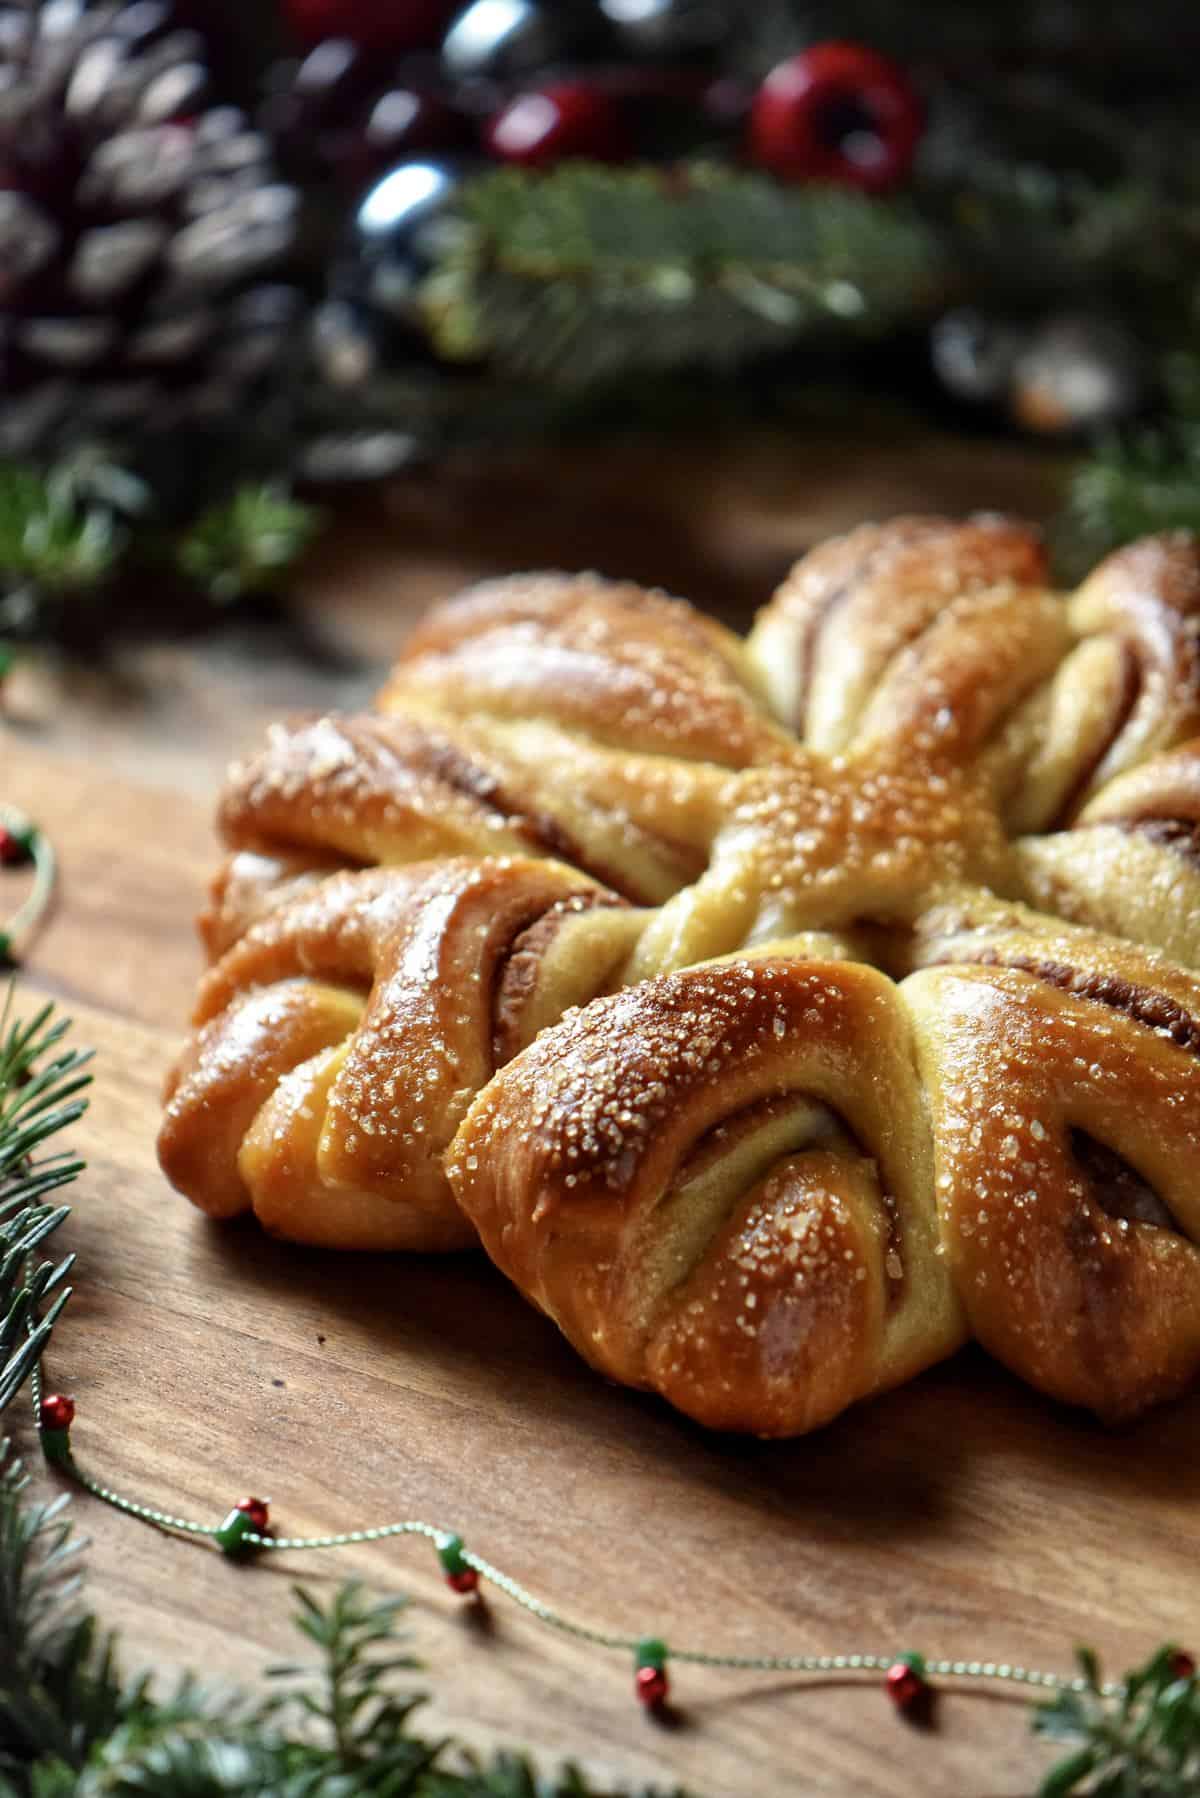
(262, 254)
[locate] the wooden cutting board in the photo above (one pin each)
(964, 1515)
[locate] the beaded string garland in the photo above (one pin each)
(22, 844)
(245, 1531)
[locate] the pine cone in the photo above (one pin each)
(137, 220)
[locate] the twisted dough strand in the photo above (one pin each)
(719, 1184)
(325, 1129)
(1066, 1114)
(629, 668)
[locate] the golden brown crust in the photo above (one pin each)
(373, 790)
(628, 667)
(1146, 598)
(380, 790)
(1062, 1278)
(811, 844)
(248, 885)
(228, 1071)
(726, 1182)
(856, 606)
(592, 1170)
(364, 963)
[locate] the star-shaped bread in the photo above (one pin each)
(776, 1012)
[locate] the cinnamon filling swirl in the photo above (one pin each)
(1142, 1004)
(1177, 834)
(823, 1128)
(1117, 1188)
(519, 967)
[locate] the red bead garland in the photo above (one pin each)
(258, 1512)
(459, 1575)
(837, 112)
(650, 1682)
(905, 1683)
(56, 1412)
(651, 1685)
(1182, 1665)
(548, 124)
(14, 847)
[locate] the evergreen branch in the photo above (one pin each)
(68, 1726)
(246, 543)
(1142, 1743)
(40, 1087)
(49, 535)
(1141, 480)
(591, 272)
(69, 532)
(59, 1691)
(362, 1723)
(49, 545)
(1132, 486)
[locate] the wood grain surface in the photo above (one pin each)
(963, 1515)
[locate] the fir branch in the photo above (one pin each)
(65, 534)
(1142, 480)
(40, 1087)
(69, 533)
(49, 545)
(362, 1722)
(245, 544)
(49, 536)
(59, 1690)
(343, 1735)
(589, 272)
(513, 1776)
(1135, 485)
(1144, 1742)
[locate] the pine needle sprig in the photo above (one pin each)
(589, 273)
(360, 1720)
(1134, 486)
(59, 1689)
(68, 534)
(245, 544)
(1143, 1742)
(343, 1734)
(47, 535)
(513, 1776)
(39, 1087)
(41, 1084)
(1142, 480)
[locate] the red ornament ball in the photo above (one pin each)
(465, 1582)
(547, 124)
(378, 24)
(651, 1685)
(905, 1687)
(258, 1513)
(1181, 1665)
(837, 112)
(57, 1412)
